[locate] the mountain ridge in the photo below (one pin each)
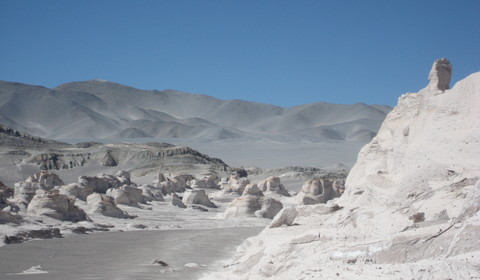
(103, 109)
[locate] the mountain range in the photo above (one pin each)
(102, 109)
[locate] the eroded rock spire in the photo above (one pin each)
(440, 74)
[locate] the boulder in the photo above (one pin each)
(105, 205)
(270, 208)
(127, 195)
(273, 185)
(197, 197)
(25, 191)
(55, 205)
(75, 191)
(252, 189)
(166, 187)
(236, 184)
(180, 182)
(251, 205)
(317, 191)
(285, 217)
(177, 201)
(46, 178)
(151, 193)
(199, 184)
(100, 184)
(440, 75)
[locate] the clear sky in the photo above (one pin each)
(278, 52)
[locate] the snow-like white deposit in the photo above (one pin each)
(411, 205)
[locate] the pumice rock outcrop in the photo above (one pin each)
(55, 205)
(253, 203)
(76, 190)
(285, 217)
(440, 75)
(318, 191)
(46, 178)
(127, 195)
(105, 205)
(235, 184)
(197, 197)
(273, 184)
(26, 190)
(100, 184)
(151, 193)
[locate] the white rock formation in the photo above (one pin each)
(318, 191)
(75, 191)
(127, 195)
(105, 205)
(55, 205)
(100, 184)
(273, 184)
(253, 203)
(423, 160)
(285, 217)
(197, 197)
(235, 184)
(151, 193)
(46, 178)
(252, 189)
(167, 187)
(269, 208)
(205, 183)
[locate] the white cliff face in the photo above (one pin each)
(427, 137)
(411, 207)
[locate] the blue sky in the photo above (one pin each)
(278, 52)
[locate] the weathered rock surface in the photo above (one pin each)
(252, 189)
(285, 217)
(55, 205)
(269, 208)
(272, 184)
(151, 193)
(127, 195)
(105, 205)
(318, 191)
(235, 184)
(197, 197)
(440, 75)
(100, 184)
(76, 190)
(253, 205)
(177, 201)
(45, 178)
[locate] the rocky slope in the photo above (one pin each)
(410, 208)
(22, 154)
(102, 109)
